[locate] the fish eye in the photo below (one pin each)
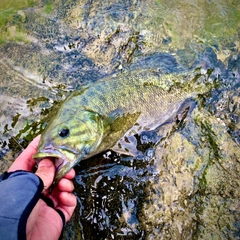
(64, 132)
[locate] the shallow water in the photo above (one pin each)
(187, 185)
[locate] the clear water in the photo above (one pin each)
(187, 185)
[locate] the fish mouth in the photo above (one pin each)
(59, 159)
(64, 159)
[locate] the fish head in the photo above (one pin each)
(69, 138)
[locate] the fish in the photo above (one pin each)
(108, 113)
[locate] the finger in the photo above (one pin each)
(25, 160)
(46, 171)
(70, 175)
(62, 199)
(65, 185)
(67, 199)
(68, 212)
(67, 204)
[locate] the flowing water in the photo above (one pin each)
(185, 186)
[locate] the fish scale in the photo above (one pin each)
(129, 99)
(107, 113)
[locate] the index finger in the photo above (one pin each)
(25, 161)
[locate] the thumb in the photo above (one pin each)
(46, 171)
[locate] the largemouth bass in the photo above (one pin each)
(104, 115)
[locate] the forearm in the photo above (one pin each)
(19, 193)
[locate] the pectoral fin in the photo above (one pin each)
(126, 146)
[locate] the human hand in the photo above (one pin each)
(44, 222)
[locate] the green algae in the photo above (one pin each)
(9, 28)
(48, 8)
(197, 189)
(207, 26)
